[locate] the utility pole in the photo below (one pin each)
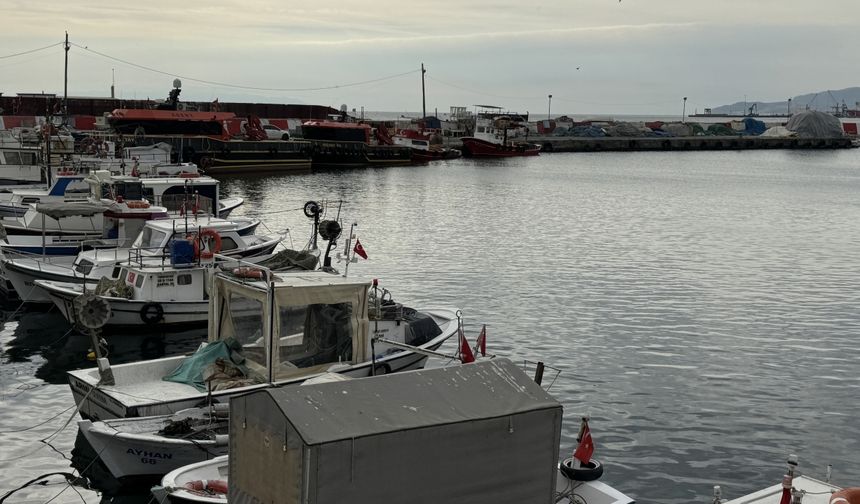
(66, 83)
(684, 111)
(423, 99)
(549, 108)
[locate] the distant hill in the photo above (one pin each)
(822, 100)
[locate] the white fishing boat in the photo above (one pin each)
(64, 188)
(140, 451)
(180, 195)
(485, 430)
(284, 328)
(150, 246)
(796, 488)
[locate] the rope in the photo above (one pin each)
(68, 476)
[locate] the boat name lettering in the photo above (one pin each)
(165, 281)
(148, 457)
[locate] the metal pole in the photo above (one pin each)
(423, 98)
(66, 83)
(684, 111)
(549, 109)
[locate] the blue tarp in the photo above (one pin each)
(753, 126)
(586, 131)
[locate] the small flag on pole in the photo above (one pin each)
(466, 355)
(359, 250)
(481, 344)
(585, 449)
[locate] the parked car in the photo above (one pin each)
(275, 133)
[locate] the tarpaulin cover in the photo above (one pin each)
(624, 129)
(778, 131)
(721, 130)
(190, 371)
(287, 259)
(753, 126)
(815, 124)
(56, 210)
(586, 131)
(678, 129)
(475, 433)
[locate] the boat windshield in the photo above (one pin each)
(149, 238)
(313, 337)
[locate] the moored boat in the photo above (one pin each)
(289, 326)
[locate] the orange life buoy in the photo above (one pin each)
(246, 272)
(846, 496)
(214, 247)
(208, 486)
(137, 204)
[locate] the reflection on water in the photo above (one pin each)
(702, 306)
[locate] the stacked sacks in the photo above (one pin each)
(815, 124)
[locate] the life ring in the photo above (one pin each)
(151, 313)
(207, 486)
(214, 248)
(247, 272)
(586, 472)
(846, 496)
(382, 368)
(137, 204)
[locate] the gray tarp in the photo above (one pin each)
(815, 124)
(476, 433)
(68, 209)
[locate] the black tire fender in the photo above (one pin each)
(587, 472)
(151, 313)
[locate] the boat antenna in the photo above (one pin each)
(423, 98)
(66, 46)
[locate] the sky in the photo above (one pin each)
(593, 56)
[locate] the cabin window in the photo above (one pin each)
(184, 279)
(228, 243)
(316, 335)
(84, 267)
(242, 318)
(150, 238)
(139, 282)
(12, 157)
(481, 129)
(115, 272)
(27, 158)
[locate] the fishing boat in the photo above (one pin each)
(284, 327)
(64, 188)
(425, 147)
(140, 451)
(326, 441)
(796, 488)
(151, 246)
(499, 136)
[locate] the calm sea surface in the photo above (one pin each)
(702, 306)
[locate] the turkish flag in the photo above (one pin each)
(466, 355)
(585, 449)
(787, 482)
(482, 341)
(359, 250)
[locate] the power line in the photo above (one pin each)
(484, 93)
(239, 86)
(31, 51)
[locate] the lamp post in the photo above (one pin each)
(684, 111)
(789, 106)
(549, 108)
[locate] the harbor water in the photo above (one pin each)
(702, 306)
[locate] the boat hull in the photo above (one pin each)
(477, 148)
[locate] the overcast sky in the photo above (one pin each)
(633, 56)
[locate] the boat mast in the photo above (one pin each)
(66, 46)
(423, 98)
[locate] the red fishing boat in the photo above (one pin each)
(499, 137)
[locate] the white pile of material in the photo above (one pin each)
(778, 131)
(815, 124)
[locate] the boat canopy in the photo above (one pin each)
(57, 210)
(477, 433)
(299, 323)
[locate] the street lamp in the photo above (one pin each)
(789, 106)
(549, 109)
(684, 111)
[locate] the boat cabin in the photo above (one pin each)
(187, 194)
(141, 122)
(164, 283)
(336, 131)
(293, 324)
